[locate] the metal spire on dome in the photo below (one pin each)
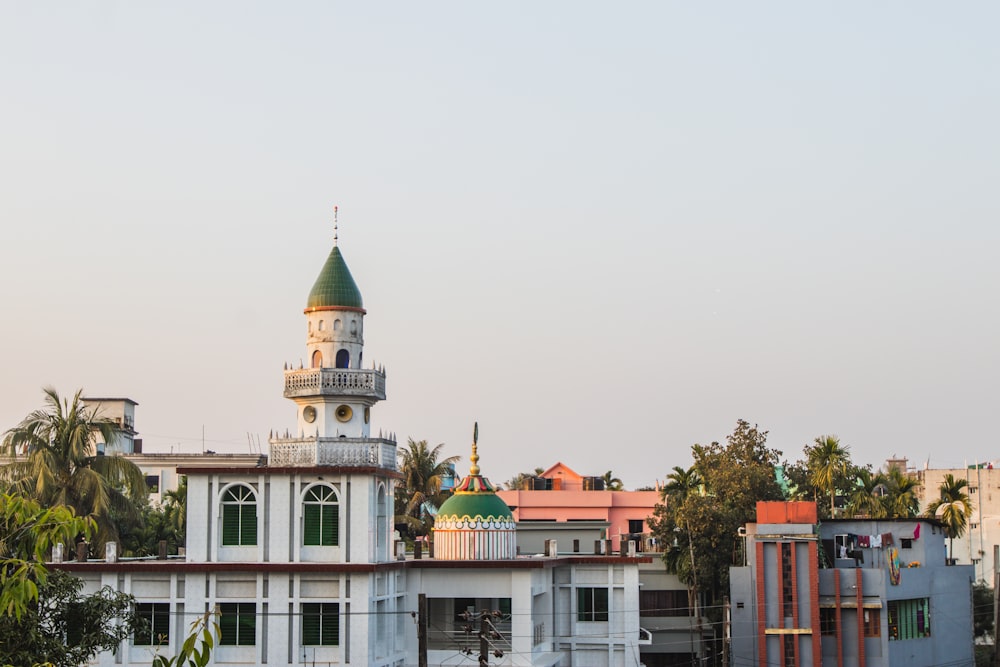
(474, 469)
(335, 226)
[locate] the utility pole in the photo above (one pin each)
(996, 602)
(484, 642)
(421, 630)
(725, 631)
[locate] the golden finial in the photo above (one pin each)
(335, 230)
(474, 469)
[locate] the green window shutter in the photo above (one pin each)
(230, 525)
(330, 525)
(247, 630)
(600, 604)
(310, 624)
(331, 624)
(311, 530)
(227, 624)
(161, 623)
(144, 635)
(248, 524)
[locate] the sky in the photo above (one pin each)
(606, 232)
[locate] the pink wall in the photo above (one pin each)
(616, 507)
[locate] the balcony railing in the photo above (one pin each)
(335, 381)
(351, 452)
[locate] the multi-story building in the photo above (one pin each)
(297, 555)
(848, 592)
(975, 545)
(579, 512)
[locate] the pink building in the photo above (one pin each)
(561, 494)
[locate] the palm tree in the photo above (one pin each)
(61, 467)
(612, 483)
(868, 495)
(681, 483)
(828, 462)
(952, 508)
(175, 509)
(517, 481)
(422, 473)
(901, 501)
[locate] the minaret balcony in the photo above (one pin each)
(344, 452)
(335, 382)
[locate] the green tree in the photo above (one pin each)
(699, 530)
(828, 462)
(901, 501)
(681, 483)
(65, 628)
(867, 497)
(952, 508)
(516, 482)
(422, 472)
(27, 533)
(612, 483)
(55, 463)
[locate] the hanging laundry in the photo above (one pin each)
(863, 541)
(916, 532)
(876, 541)
(887, 539)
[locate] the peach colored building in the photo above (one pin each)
(562, 494)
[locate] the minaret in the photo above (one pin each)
(332, 392)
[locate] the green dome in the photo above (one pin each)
(335, 286)
(473, 505)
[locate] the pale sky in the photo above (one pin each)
(604, 231)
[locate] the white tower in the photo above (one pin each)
(335, 394)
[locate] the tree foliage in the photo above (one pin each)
(952, 508)
(55, 463)
(65, 628)
(422, 472)
(27, 533)
(829, 463)
(196, 651)
(612, 483)
(704, 507)
(516, 482)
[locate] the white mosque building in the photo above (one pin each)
(297, 555)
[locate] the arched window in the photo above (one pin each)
(381, 524)
(336, 325)
(239, 516)
(343, 359)
(317, 361)
(320, 517)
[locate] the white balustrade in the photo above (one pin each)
(352, 452)
(347, 381)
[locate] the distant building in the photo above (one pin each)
(121, 412)
(975, 546)
(561, 494)
(580, 515)
(848, 592)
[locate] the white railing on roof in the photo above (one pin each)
(352, 452)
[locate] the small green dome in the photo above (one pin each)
(335, 286)
(475, 505)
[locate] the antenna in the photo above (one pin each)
(335, 226)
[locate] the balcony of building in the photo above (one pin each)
(335, 382)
